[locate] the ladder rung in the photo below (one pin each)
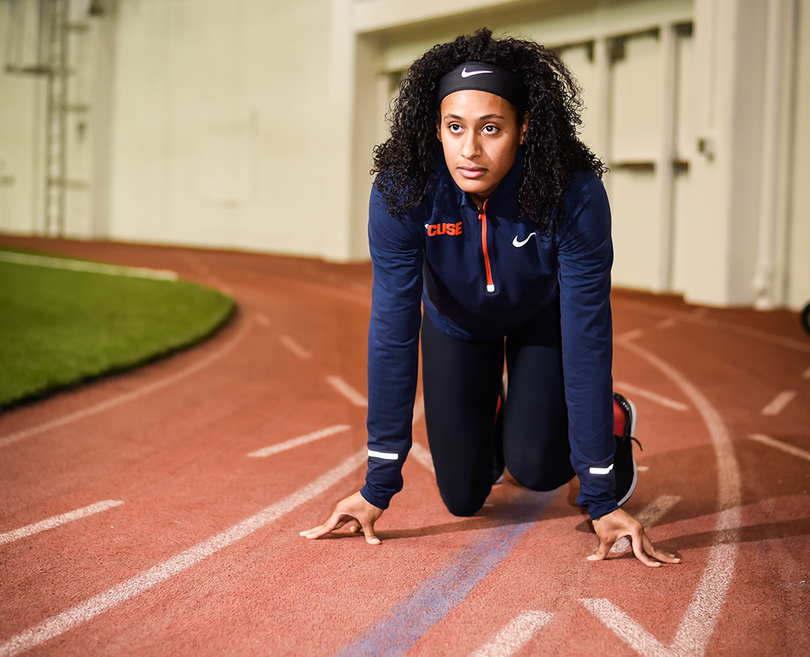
(72, 184)
(78, 108)
(34, 69)
(57, 72)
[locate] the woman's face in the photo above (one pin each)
(480, 135)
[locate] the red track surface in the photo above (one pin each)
(201, 553)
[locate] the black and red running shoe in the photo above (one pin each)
(624, 465)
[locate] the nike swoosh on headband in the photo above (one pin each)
(466, 74)
(518, 244)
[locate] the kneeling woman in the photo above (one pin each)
(490, 211)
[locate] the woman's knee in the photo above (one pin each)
(540, 477)
(464, 503)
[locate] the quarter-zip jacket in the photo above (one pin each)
(480, 273)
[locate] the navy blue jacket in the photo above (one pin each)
(481, 276)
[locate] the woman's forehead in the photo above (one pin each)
(473, 103)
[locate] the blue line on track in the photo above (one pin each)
(396, 632)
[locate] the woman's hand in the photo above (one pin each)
(354, 511)
(612, 526)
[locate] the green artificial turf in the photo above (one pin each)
(59, 328)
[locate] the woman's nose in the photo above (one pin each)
(471, 147)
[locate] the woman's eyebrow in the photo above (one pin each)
(486, 117)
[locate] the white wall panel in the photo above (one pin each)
(21, 115)
(637, 101)
(636, 121)
(687, 211)
(798, 247)
(636, 227)
(219, 125)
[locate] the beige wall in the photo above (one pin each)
(249, 124)
(21, 118)
(221, 134)
(797, 235)
(20, 188)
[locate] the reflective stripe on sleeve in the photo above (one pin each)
(387, 457)
(600, 471)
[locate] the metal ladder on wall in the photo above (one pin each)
(55, 29)
(56, 117)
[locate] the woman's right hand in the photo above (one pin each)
(354, 511)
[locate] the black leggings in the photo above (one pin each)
(461, 380)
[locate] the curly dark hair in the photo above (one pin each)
(552, 149)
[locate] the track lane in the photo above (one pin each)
(317, 596)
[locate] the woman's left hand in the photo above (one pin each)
(612, 526)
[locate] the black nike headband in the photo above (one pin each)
(484, 77)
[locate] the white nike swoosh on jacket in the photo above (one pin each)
(518, 244)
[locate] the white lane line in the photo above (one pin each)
(301, 440)
(667, 323)
(262, 319)
(294, 347)
(628, 629)
(422, 455)
(700, 317)
(514, 635)
(347, 391)
(760, 335)
(630, 335)
(701, 616)
(82, 265)
(197, 264)
(97, 605)
(776, 444)
(56, 521)
(806, 374)
(779, 402)
(697, 624)
(652, 396)
(325, 290)
(129, 396)
(650, 515)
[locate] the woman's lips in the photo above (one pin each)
(472, 174)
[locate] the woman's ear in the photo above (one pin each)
(439, 128)
(524, 128)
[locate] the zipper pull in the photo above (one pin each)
(483, 218)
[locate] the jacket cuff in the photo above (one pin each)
(369, 497)
(597, 510)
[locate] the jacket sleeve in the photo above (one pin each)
(397, 252)
(585, 254)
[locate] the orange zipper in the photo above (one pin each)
(483, 217)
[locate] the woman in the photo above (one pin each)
(488, 210)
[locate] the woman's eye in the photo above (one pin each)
(490, 129)
(454, 128)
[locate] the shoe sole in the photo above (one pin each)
(632, 488)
